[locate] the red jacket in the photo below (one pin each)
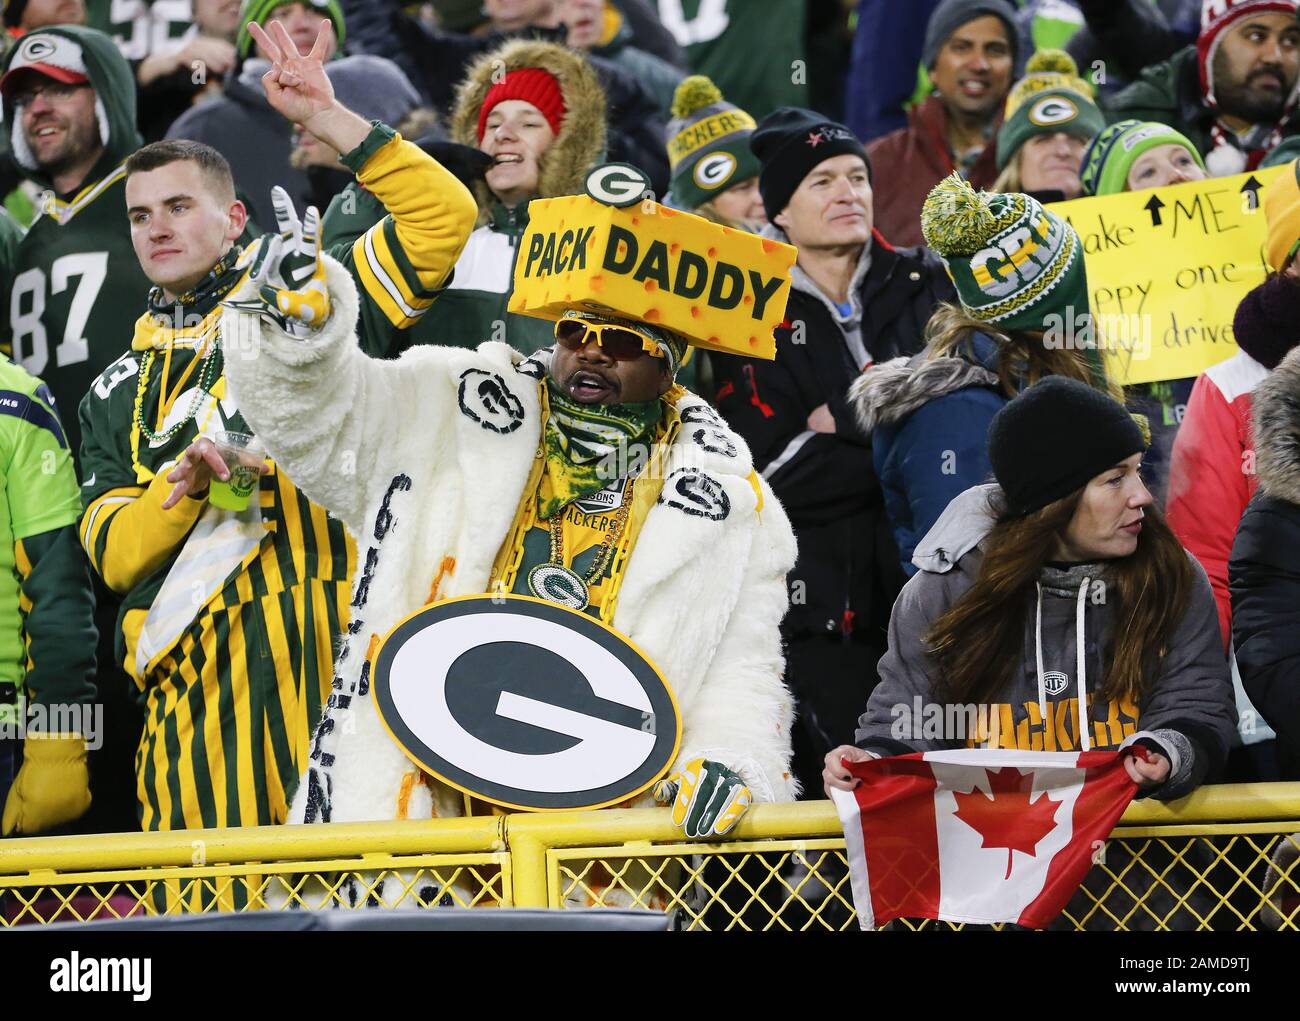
(907, 163)
(1212, 470)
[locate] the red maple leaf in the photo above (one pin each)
(1007, 818)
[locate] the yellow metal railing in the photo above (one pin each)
(1224, 858)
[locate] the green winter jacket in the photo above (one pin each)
(1170, 93)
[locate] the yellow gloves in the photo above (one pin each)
(52, 786)
(708, 798)
(289, 272)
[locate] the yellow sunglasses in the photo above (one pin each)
(619, 342)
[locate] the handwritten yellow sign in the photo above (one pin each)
(1166, 269)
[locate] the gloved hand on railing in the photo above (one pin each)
(289, 272)
(52, 786)
(708, 798)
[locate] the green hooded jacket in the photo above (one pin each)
(77, 286)
(1170, 92)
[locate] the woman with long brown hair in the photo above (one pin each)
(1056, 611)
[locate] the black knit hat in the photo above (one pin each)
(952, 14)
(1054, 438)
(789, 142)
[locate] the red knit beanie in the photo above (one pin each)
(532, 85)
(1216, 17)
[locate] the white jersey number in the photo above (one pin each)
(710, 21)
(30, 340)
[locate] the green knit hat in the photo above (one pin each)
(1051, 97)
(708, 143)
(1013, 262)
(1111, 155)
(260, 11)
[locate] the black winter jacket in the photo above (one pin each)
(847, 575)
(1264, 572)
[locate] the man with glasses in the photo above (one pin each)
(583, 475)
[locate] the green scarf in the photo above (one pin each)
(202, 298)
(588, 446)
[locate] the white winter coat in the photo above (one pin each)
(426, 458)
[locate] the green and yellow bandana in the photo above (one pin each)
(588, 446)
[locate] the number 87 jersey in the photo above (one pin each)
(75, 294)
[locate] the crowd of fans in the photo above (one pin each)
(887, 142)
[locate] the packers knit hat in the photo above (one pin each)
(1013, 262)
(789, 142)
(1050, 98)
(1217, 16)
(1054, 438)
(260, 11)
(952, 14)
(1282, 217)
(708, 143)
(1111, 155)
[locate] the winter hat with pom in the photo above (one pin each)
(1051, 97)
(708, 143)
(1227, 155)
(1013, 262)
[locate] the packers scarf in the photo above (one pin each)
(588, 446)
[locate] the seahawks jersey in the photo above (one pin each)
(76, 291)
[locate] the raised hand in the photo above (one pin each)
(296, 86)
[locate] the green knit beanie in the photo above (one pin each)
(1013, 262)
(1051, 97)
(708, 143)
(1111, 155)
(259, 11)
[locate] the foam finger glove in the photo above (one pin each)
(708, 799)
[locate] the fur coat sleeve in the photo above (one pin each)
(326, 412)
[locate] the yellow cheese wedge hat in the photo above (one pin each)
(615, 251)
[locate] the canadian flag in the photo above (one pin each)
(976, 835)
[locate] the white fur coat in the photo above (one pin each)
(426, 458)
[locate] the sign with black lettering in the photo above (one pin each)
(1167, 268)
(525, 704)
(720, 288)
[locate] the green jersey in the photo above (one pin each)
(752, 49)
(142, 27)
(76, 291)
(77, 286)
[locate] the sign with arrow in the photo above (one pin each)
(1166, 270)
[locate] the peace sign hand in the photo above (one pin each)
(296, 86)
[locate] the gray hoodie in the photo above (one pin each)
(1187, 714)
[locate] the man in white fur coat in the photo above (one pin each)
(452, 468)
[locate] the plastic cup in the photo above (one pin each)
(244, 456)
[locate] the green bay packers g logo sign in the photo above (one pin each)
(618, 184)
(525, 704)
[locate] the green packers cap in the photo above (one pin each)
(1013, 262)
(1051, 97)
(259, 11)
(1111, 155)
(708, 143)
